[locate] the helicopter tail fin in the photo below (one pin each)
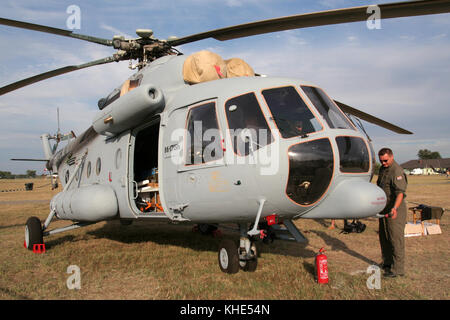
(48, 152)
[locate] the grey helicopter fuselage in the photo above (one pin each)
(323, 171)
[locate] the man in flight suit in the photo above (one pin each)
(393, 181)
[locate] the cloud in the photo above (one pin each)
(439, 36)
(332, 4)
(234, 3)
(51, 12)
(116, 31)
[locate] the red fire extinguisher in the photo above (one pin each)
(321, 267)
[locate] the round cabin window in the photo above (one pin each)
(98, 166)
(118, 158)
(88, 169)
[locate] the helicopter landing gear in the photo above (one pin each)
(33, 233)
(248, 257)
(248, 261)
(232, 258)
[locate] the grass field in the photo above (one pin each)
(164, 261)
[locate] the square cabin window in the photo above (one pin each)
(203, 138)
(248, 126)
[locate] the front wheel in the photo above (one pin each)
(33, 233)
(228, 257)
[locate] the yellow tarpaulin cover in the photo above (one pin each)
(237, 67)
(205, 66)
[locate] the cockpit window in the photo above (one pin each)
(372, 155)
(353, 154)
(328, 110)
(290, 112)
(203, 139)
(248, 127)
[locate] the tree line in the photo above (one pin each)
(9, 175)
(427, 154)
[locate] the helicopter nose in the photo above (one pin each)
(353, 199)
(358, 199)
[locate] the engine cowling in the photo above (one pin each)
(129, 110)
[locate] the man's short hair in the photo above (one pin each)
(384, 151)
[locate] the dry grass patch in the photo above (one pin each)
(163, 261)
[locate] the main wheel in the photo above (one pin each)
(33, 233)
(228, 257)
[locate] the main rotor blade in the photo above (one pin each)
(51, 30)
(41, 160)
(52, 73)
(321, 18)
(369, 118)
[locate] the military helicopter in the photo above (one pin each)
(250, 150)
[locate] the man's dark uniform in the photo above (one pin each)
(393, 181)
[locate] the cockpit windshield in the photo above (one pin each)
(327, 109)
(290, 112)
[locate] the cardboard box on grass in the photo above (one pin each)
(432, 228)
(414, 230)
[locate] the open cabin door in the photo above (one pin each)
(144, 191)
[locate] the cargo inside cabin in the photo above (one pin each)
(146, 170)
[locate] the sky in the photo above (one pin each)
(399, 73)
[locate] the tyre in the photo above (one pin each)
(228, 257)
(250, 265)
(33, 233)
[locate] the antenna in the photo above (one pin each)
(58, 133)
